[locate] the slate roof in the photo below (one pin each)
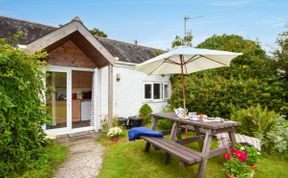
(126, 52)
(32, 31)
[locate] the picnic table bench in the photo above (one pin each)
(186, 155)
(204, 132)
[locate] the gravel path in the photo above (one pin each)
(84, 159)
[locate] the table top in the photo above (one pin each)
(200, 123)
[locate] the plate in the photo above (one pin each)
(184, 117)
(212, 119)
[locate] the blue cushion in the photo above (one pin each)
(136, 132)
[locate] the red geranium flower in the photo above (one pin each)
(241, 155)
(227, 156)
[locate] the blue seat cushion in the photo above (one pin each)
(136, 132)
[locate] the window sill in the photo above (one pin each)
(156, 101)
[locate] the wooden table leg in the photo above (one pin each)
(232, 137)
(174, 131)
(172, 137)
(205, 152)
(198, 133)
(154, 125)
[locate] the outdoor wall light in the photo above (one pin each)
(117, 77)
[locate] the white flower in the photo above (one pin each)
(242, 148)
(114, 131)
(50, 137)
(258, 153)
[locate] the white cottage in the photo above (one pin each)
(93, 78)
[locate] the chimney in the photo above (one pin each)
(135, 42)
(76, 19)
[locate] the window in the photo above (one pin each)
(165, 91)
(155, 91)
(148, 91)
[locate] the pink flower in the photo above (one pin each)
(241, 155)
(227, 156)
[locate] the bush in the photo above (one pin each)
(145, 113)
(276, 139)
(268, 126)
(250, 79)
(254, 120)
(164, 124)
(22, 112)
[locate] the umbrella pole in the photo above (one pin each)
(183, 80)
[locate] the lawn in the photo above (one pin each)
(46, 167)
(128, 159)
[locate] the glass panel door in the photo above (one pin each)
(82, 98)
(56, 99)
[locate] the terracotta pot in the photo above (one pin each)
(229, 176)
(252, 167)
(114, 139)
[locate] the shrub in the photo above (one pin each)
(268, 126)
(22, 112)
(250, 79)
(254, 120)
(164, 124)
(104, 126)
(145, 113)
(276, 139)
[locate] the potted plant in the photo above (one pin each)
(252, 157)
(235, 165)
(252, 153)
(114, 133)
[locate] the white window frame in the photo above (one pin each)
(152, 91)
(163, 91)
(162, 94)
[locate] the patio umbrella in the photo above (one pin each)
(185, 60)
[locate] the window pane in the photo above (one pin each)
(147, 91)
(56, 99)
(165, 91)
(157, 93)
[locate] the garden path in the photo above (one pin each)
(84, 158)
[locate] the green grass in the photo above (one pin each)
(47, 166)
(128, 159)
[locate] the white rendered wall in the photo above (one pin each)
(128, 91)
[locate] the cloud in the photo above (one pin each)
(229, 3)
(276, 22)
(160, 44)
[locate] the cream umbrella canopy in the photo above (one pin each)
(185, 60)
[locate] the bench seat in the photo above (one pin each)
(185, 154)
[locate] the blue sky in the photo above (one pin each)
(156, 22)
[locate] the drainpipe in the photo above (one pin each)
(110, 94)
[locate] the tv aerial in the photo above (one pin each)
(186, 18)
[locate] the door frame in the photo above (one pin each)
(68, 129)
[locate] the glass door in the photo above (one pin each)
(56, 99)
(82, 99)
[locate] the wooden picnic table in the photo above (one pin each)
(204, 133)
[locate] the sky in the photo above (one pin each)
(155, 23)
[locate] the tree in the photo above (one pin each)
(249, 80)
(22, 112)
(235, 43)
(97, 32)
(281, 55)
(281, 68)
(182, 41)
